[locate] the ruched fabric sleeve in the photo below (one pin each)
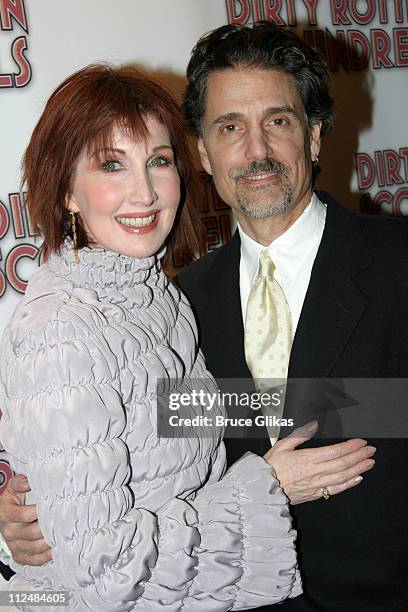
(230, 548)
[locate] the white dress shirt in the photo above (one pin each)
(293, 254)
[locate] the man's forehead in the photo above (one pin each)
(240, 71)
(246, 90)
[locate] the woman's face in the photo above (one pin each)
(128, 195)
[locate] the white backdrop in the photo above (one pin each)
(364, 161)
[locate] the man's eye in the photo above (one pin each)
(160, 160)
(279, 121)
(111, 165)
(230, 127)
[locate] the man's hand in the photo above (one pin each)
(304, 473)
(19, 525)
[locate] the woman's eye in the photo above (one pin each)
(111, 165)
(160, 160)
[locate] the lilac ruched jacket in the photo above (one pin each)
(135, 521)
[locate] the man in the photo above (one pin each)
(258, 100)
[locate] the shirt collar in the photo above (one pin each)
(290, 249)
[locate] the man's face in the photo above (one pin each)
(256, 143)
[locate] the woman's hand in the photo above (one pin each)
(19, 525)
(304, 474)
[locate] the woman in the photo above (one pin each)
(135, 521)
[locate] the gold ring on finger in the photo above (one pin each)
(326, 493)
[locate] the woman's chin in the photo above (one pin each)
(135, 248)
(140, 252)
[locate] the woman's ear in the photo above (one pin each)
(71, 205)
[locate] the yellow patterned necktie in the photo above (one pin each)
(268, 335)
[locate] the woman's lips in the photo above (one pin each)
(138, 223)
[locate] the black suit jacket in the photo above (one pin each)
(353, 549)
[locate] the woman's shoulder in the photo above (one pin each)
(49, 312)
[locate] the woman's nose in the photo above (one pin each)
(142, 191)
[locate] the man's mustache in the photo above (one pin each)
(259, 167)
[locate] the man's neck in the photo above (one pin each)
(265, 231)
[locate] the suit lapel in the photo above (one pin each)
(227, 343)
(225, 313)
(333, 304)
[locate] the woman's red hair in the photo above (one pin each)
(81, 115)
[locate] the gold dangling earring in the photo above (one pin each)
(74, 236)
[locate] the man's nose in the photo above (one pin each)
(257, 145)
(142, 192)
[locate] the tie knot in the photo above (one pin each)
(266, 265)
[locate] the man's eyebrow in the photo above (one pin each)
(271, 110)
(227, 117)
(289, 110)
